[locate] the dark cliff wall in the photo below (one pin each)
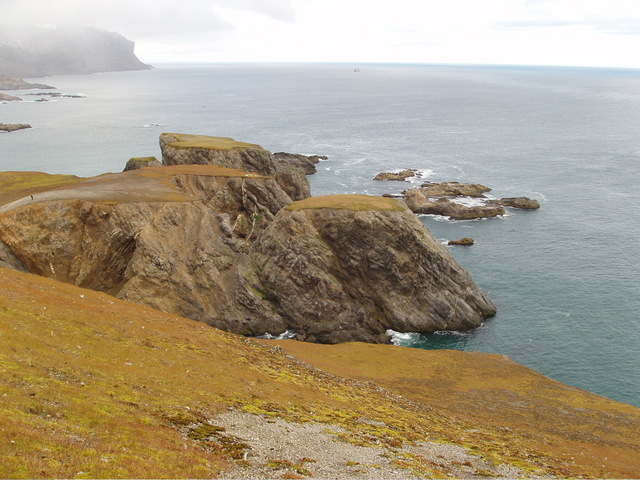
(39, 52)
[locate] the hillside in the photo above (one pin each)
(28, 51)
(95, 387)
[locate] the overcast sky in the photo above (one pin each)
(538, 32)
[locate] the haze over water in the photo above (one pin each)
(565, 278)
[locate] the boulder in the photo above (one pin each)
(517, 202)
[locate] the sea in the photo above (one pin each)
(565, 278)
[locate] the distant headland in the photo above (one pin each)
(29, 51)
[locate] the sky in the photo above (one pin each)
(522, 32)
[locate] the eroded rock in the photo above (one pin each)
(419, 202)
(398, 176)
(452, 189)
(517, 202)
(141, 162)
(334, 273)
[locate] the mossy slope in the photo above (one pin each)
(95, 387)
(518, 410)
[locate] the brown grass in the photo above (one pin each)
(15, 185)
(184, 140)
(349, 202)
(92, 386)
(142, 185)
(519, 409)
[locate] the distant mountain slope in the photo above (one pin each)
(37, 52)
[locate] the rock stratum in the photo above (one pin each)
(215, 236)
(28, 51)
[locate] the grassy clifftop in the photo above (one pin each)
(150, 184)
(185, 140)
(92, 386)
(349, 202)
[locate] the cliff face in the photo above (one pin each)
(184, 149)
(228, 247)
(341, 267)
(37, 52)
(173, 252)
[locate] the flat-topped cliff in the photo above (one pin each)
(228, 247)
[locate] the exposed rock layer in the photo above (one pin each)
(218, 245)
(184, 149)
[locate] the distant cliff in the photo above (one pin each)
(38, 52)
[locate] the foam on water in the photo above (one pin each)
(286, 335)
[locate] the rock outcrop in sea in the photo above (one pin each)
(215, 236)
(12, 127)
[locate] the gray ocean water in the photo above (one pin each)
(565, 278)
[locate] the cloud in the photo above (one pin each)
(141, 19)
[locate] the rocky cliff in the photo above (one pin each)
(28, 51)
(346, 267)
(228, 247)
(289, 170)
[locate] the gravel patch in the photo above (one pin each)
(281, 450)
